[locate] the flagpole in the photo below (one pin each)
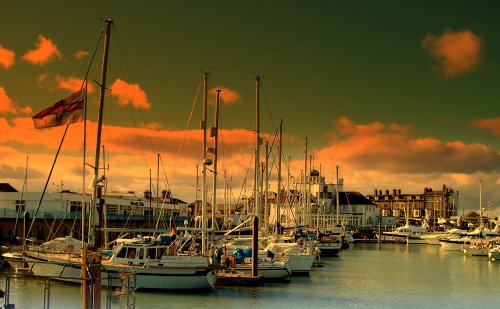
(92, 219)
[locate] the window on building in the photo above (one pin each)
(20, 204)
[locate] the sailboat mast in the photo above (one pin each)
(257, 148)
(266, 189)
(319, 197)
(204, 170)
(157, 184)
(92, 216)
(304, 194)
(278, 201)
(25, 210)
(337, 203)
(215, 134)
(480, 204)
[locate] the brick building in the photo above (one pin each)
(429, 204)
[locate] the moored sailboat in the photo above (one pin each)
(156, 266)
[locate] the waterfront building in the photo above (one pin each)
(430, 204)
(61, 211)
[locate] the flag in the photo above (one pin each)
(65, 111)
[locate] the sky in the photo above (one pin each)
(398, 94)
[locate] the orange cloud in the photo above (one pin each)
(491, 125)
(391, 148)
(79, 54)
(130, 94)
(384, 156)
(7, 105)
(45, 51)
(458, 52)
(154, 126)
(6, 57)
(227, 95)
(72, 83)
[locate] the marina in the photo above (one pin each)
(364, 276)
(243, 211)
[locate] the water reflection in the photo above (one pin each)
(363, 276)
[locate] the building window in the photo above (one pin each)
(20, 204)
(75, 206)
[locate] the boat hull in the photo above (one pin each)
(158, 278)
(273, 270)
(68, 269)
(494, 254)
(300, 264)
(329, 249)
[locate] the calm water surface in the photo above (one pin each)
(364, 276)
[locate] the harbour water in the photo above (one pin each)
(363, 276)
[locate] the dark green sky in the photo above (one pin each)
(320, 60)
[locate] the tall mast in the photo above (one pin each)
(304, 198)
(257, 148)
(204, 170)
(319, 197)
(278, 201)
(337, 197)
(287, 199)
(480, 204)
(157, 184)
(92, 215)
(215, 134)
(266, 190)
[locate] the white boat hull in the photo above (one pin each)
(451, 246)
(158, 278)
(431, 239)
(62, 268)
(300, 263)
(415, 241)
(68, 269)
(274, 270)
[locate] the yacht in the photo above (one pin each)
(433, 238)
(141, 263)
(409, 234)
(155, 265)
(459, 243)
